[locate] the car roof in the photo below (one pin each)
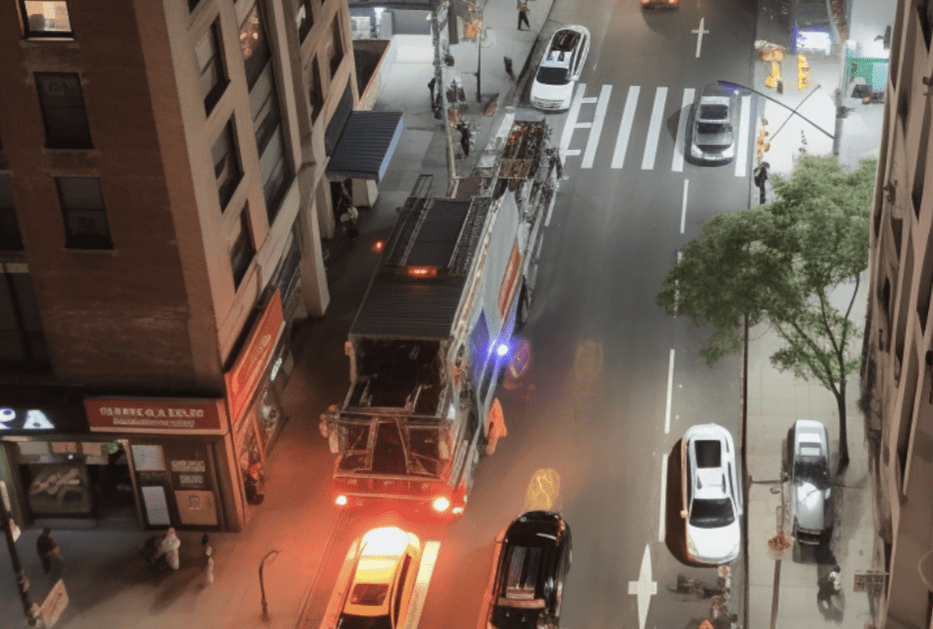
(535, 528)
(810, 432)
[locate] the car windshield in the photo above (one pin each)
(352, 621)
(711, 513)
(369, 593)
(713, 112)
(812, 469)
(553, 76)
(712, 128)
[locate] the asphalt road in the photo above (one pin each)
(593, 404)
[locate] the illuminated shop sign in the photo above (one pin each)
(16, 419)
(148, 416)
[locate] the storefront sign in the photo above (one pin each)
(54, 604)
(155, 416)
(23, 419)
(242, 378)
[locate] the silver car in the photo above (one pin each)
(811, 482)
(713, 138)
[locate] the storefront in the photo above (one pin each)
(178, 458)
(253, 396)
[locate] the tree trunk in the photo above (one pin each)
(843, 436)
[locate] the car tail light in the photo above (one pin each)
(441, 504)
(341, 500)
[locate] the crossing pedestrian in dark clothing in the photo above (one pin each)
(464, 130)
(523, 14)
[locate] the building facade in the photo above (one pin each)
(898, 369)
(163, 195)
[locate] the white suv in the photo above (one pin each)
(560, 69)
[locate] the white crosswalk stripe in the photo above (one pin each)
(677, 164)
(597, 129)
(625, 129)
(660, 111)
(654, 129)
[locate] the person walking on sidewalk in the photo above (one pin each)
(169, 548)
(464, 130)
(523, 14)
(209, 563)
(49, 552)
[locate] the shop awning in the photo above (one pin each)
(366, 145)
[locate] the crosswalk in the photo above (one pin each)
(637, 106)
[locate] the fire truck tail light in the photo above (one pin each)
(440, 504)
(422, 271)
(457, 510)
(341, 500)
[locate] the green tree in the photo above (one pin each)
(781, 262)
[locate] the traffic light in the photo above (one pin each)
(803, 72)
(762, 134)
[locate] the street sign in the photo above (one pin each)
(54, 604)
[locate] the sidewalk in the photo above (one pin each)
(775, 399)
(109, 584)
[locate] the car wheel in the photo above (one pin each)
(524, 305)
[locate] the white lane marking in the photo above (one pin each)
(644, 588)
(677, 164)
(699, 32)
(625, 127)
(654, 129)
(670, 387)
(662, 520)
(683, 211)
(741, 157)
(596, 131)
(428, 561)
(572, 115)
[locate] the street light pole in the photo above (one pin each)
(21, 579)
(739, 88)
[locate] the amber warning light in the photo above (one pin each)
(422, 271)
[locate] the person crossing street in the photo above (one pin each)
(523, 11)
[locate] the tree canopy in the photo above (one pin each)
(781, 262)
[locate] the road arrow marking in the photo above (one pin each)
(644, 588)
(699, 32)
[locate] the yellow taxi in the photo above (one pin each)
(383, 579)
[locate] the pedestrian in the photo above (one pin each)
(761, 178)
(464, 130)
(431, 85)
(48, 550)
(209, 563)
(523, 11)
(169, 548)
(348, 219)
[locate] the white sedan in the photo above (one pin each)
(552, 88)
(712, 495)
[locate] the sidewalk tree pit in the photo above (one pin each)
(783, 262)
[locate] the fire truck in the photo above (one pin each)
(435, 328)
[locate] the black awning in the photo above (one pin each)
(366, 145)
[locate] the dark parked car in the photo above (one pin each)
(811, 483)
(529, 579)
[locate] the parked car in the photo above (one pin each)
(533, 563)
(811, 481)
(712, 495)
(659, 4)
(382, 581)
(560, 69)
(712, 137)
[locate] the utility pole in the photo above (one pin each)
(11, 532)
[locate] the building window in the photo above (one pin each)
(255, 46)
(304, 19)
(267, 124)
(227, 167)
(10, 239)
(22, 342)
(317, 91)
(213, 80)
(243, 250)
(336, 46)
(63, 112)
(83, 209)
(46, 19)
(267, 117)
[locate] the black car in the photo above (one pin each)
(531, 568)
